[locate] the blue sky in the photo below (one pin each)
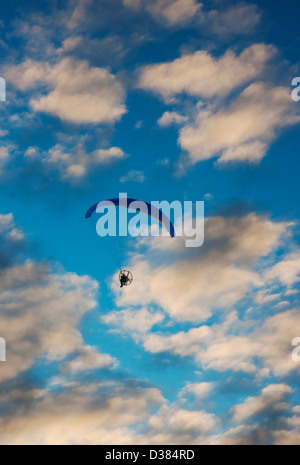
(164, 100)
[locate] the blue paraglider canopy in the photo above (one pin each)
(144, 207)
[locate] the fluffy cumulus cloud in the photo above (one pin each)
(171, 117)
(199, 390)
(75, 92)
(12, 240)
(40, 315)
(6, 154)
(286, 271)
(192, 293)
(244, 130)
(173, 12)
(173, 425)
(239, 19)
(39, 307)
(134, 321)
(192, 289)
(8, 229)
(271, 397)
(79, 415)
(221, 275)
(71, 90)
(200, 74)
(267, 418)
(236, 130)
(126, 412)
(51, 303)
(75, 163)
(219, 319)
(250, 351)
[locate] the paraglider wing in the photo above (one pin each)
(149, 210)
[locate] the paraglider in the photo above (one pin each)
(125, 276)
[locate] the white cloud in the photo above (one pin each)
(89, 359)
(271, 397)
(260, 348)
(51, 303)
(82, 415)
(75, 164)
(192, 289)
(5, 154)
(133, 321)
(264, 297)
(171, 117)
(11, 235)
(253, 152)
(239, 131)
(200, 74)
(39, 308)
(71, 43)
(79, 11)
(27, 74)
(216, 348)
(75, 92)
(40, 315)
(7, 223)
(287, 271)
(179, 422)
(12, 240)
(189, 291)
(238, 19)
(169, 12)
(173, 11)
(287, 438)
(133, 176)
(199, 390)
(222, 273)
(244, 130)
(114, 153)
(54, 303)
